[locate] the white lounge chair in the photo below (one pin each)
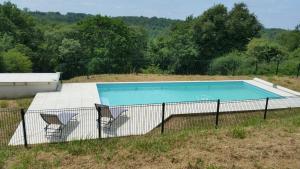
(110, 113)
(56, 122)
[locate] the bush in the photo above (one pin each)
(15, 61)
(289, 67)
(152, 69)
(227, 64)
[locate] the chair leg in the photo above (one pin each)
(46, 130)
(61, 130)
(110, 122)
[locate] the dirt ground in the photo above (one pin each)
(150, 77)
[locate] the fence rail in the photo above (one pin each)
(21, 127)
(272, 68)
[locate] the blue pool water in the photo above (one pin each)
(114, 94)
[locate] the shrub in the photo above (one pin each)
(15, 61)
(290, 65)
(152, 69)
(227, 64)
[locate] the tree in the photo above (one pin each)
(218, 31)
(265, 51)
(176, 52)
(2, 66)
(112, 44)
(153, 26)
(70, 60)
(295, 54)
(19, 28)
(159, 53)
(49, 48)
(15, 61)
(138, 43)
(210, 33)
(290, 65)
(18, 24)
(184, 51)
(241, 26)
(290, 40)
(6, 42)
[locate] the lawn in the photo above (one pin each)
(10, 117)
(251, 143)
(15, 103)
(241, 141)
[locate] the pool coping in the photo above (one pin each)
(75, 95)
(275, 86)
(268, 86)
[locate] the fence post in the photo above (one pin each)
(24, 128)
(256, 66)
(99, 123)
(298, 70)
(218, 111)
(163, 118)
(266, 108)
(277, 67)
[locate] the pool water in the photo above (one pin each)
(114, 94)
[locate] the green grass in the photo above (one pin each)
(10, 117)
(238, 132)
(24, 103)
(15, 103)
(212, 166)
(9, 121)
(4, 154)
(199, 164)
(3, 104)
(155, 146)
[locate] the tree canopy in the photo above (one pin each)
(15, 61)
(220, 41)
(200, 40)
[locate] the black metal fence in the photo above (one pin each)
(9, 121)
(21, 127)
(205, 67)
(256, 68)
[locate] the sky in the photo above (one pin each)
(271, 13)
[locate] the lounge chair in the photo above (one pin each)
(56, 122)
(110, 113)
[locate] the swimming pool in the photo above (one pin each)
(114, 94)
